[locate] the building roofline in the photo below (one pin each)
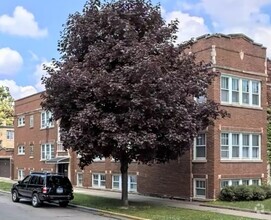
(29, 96)
(230, 36)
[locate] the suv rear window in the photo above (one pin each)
(58, 181)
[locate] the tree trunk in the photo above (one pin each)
(124, 182)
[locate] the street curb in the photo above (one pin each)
(236, 209)
(98, 211)
(107, 213)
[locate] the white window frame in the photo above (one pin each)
(229, 148)
(240, 182)
(47, 151)
(132, 185)
(21, 150)
(31, 121)
(101, 183)
(201, 188)
(46, 120)
(10, 135)
(21, 174)
(197, 145)
(79, 179)
(253, 90)
(21, 121)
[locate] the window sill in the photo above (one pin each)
(241, 106)
(31, 157)
(199, 161)
(46, 128)
(19, 126)
(21, 154)
(241, 161)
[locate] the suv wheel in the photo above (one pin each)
(15, 197)
(35, 200)
(63, 204)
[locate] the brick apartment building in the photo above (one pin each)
(6, 150)
(231, 152)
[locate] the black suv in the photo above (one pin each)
(40, 187)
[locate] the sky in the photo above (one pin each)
(30, 30)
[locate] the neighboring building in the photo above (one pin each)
(6, 150)
(231, 152)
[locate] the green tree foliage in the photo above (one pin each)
(122, 88)
(6, 107)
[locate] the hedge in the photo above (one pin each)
(245, 193)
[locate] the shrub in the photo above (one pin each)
(227, 194)
(258, 193)
(267, 189)
(243, 193)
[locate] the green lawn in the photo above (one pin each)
(144, 210)
(263, 205)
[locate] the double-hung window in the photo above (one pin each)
(47, 151)
(98, 180)
(10, 135)
(21, 150)
(200, 188)
(240, 146)
(46, 119)
(200, 147)
(240, 91)
(21, 121)
(132, 182)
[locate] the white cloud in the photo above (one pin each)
(21, 23)
(17, 91)
(242, 16)
(39, 72)
(10, 61)
(189, 26)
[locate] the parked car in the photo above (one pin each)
(40, 186)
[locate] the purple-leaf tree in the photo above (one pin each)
(123, 89)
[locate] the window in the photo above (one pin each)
(20, 174)
(235, 90)
(200, 188)
(21, 150)
(21, 121)
(224, 183)
(225, 89)
(245, 182)
(116, 182)
(200, 147)
(241, 146)
(79, 179)
(240, 91)
(132, 182)
(98, 180)
(31, 121)
(47, 151)
(46, 120)
(10, 134)
(237, 182)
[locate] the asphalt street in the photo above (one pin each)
(24, 211)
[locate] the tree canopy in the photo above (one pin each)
(123, 88)
(6, 107)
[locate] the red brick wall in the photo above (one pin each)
(35, 135)
(242, 119)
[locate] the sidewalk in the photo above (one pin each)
(175, 203)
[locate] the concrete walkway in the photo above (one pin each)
(175, 203)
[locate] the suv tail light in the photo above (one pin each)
(44, 189)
